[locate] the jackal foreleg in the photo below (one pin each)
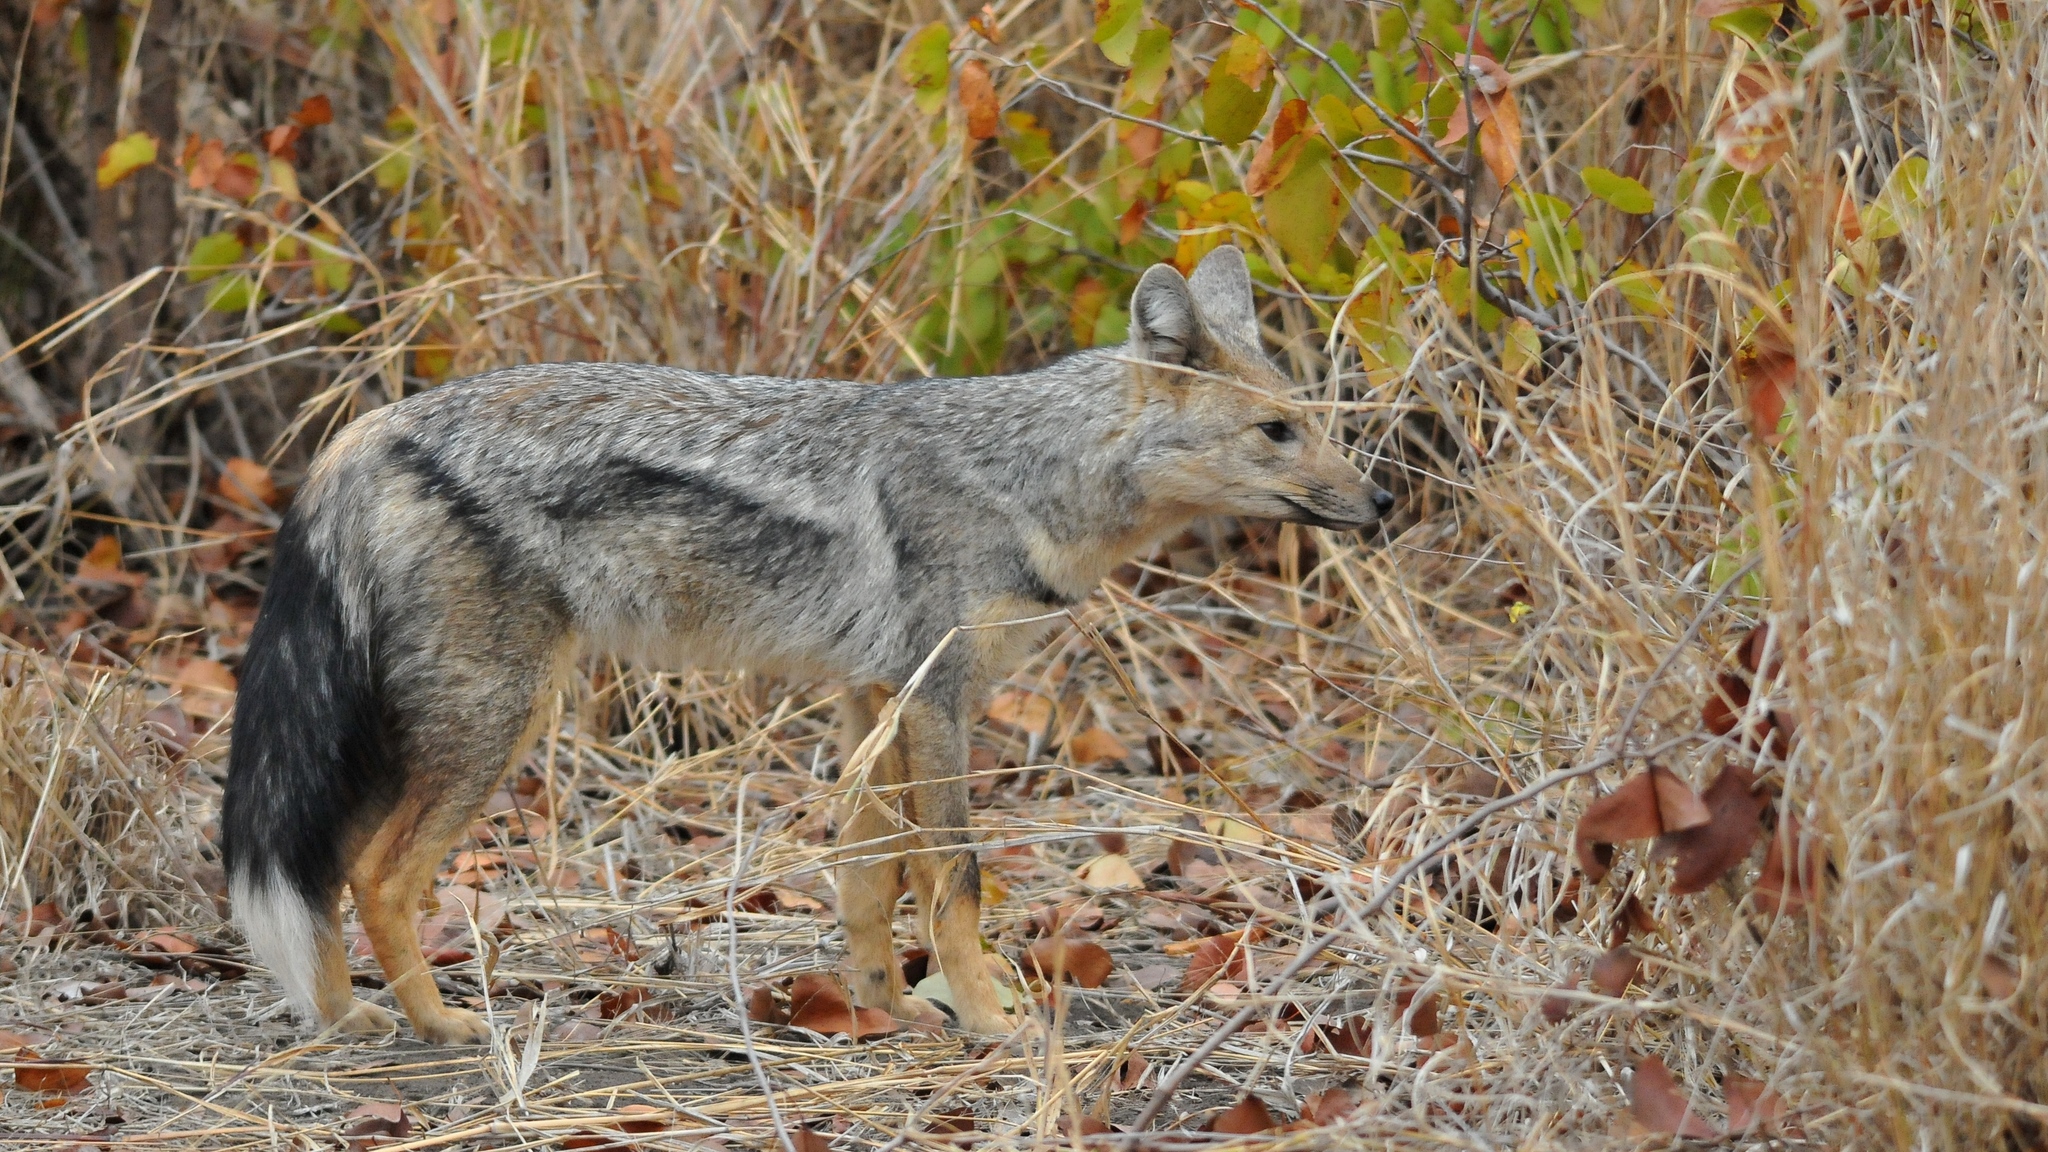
(872, 843)
(946, 876)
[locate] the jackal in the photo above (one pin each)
(449, 556)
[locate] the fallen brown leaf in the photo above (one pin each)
(1750, 1105)
(1708, 852)
(1657, 1104)
(1227, 957)
(1084, 962)
(1616, 969)
(1244, 1118)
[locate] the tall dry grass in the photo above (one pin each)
(747, 187)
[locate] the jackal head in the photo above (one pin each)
(1220, 435)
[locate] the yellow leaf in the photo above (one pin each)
(1096, 746)
(1112, 870)
(124, 156)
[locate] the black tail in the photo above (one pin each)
(308, 764)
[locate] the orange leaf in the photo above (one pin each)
(1227, 956)
(102, 564)
(1500, 139)
(46, 1076)
(1768, 368)
(1244, 1118)
(1421, 1018)
(1096, 746)
(1749, 1105)
(1277, 153)
(1085, 963)
(978, 97)
(283, 141)
(1756, 130)
(247, 485)
(1330, 1106)
(205, 165)
(1657, 1104)
(314, 111)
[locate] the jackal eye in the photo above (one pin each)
(1278, 431)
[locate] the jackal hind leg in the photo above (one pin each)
(946, 879)
(461, 736)
(869, 886)
(334, 994)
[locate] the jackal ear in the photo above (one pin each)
(1222, 288)
(1163, 316)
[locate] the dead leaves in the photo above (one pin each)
(1658, 1104)
(1755, 128)
(1227, 957)
(1055, 957)
(818, 1002)
(1650, 803)
(1709, 851)
(1489, 105)
(978, 100)
(1278, 152)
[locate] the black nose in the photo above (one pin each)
(1383, 502)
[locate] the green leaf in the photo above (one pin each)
(1117, 23)
(123, 157)
(1751, 24)
(338, 321)
(232, 293)
(1028, 144)
(1903, 198)
(1588, 8)
(1151, 57)
(1231, 106)
(925, 67)
(1623, 192)
(1641, 288)
(1553, 240)
(510, 46)
(1521, 350)
(1303, 211)
(211, 255)
(332, 269)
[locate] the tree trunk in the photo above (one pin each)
(134, 224)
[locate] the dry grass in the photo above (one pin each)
(1614, 493)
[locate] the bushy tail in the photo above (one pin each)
(308, 764)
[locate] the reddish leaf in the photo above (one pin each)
(1556, 1007)
(314, 111)
(1421, 1018)
(1678, 806)
(102, 564)
(1351, 1036)
(978, 98)
(1330, 1106)
(1707, 853)
(1723, 710)
(819, 1003)
(239, 178)
(1616, 969)
(1244, 1118)
(1749, 1105)
(373, 1124)
(1227, 957)
(1756, 129)
(1278, 151)
(1768, 368)
(247, 485)
(205, 165)
(46, 1076)
(762, 1007)
(1627, 813)
(807, 1139)
(1085, 963)
(2001, 979)
(1500, 139)
(1657, 1104)
(1781, 888)
(283, 140)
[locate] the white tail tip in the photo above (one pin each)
(285, 934)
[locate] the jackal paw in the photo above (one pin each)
(365, 1019)
(453, 1026)
(918, 1010)
(987, 1022)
